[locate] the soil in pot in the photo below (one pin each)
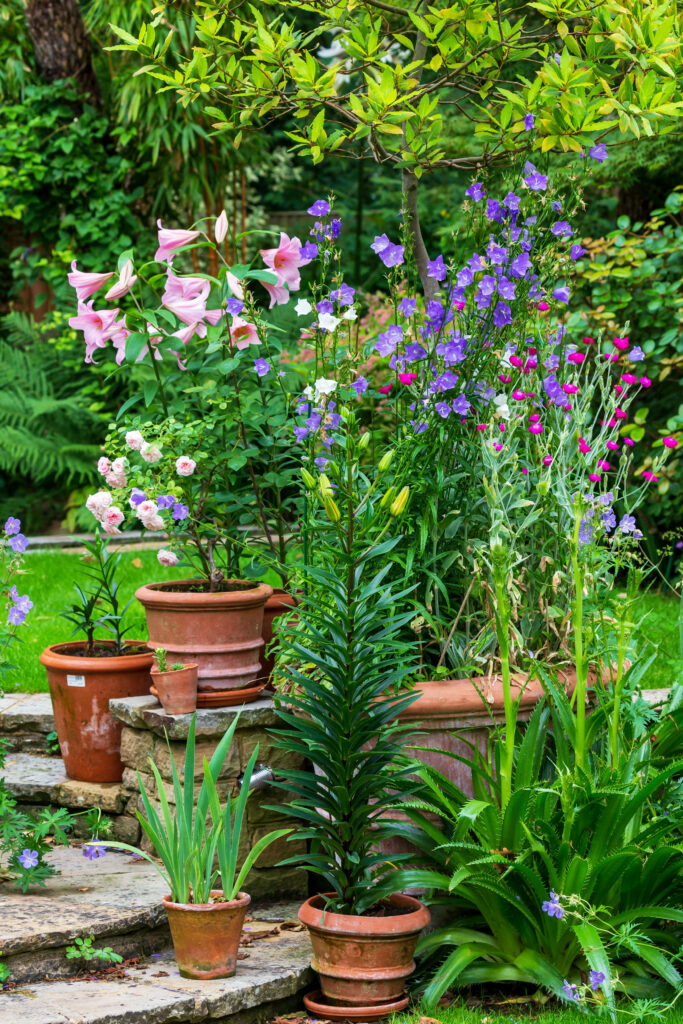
(364, 960)
(206, 936)
(81, 687)
(219, 632)
(177, 690)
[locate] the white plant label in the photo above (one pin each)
(75, 680)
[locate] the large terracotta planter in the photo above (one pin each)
(278, 604)
(364, 960)
(454, 715)
(221, 633)
(176, 690)
(206, 936)
(81, 688)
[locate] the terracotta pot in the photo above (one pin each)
(278, 604)
(220, 633)
(364, 960)
(206, 936)
(81, 688)
(454, 714)
(177, 690)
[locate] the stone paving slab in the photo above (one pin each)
(33, 779)
(26, 719)
(146, 712)
(275, 969)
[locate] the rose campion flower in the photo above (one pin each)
(135, 440)
(150, 452)
(112, 519)
(124, 284)
(170, 241)
(220, 230)
(243, 333)
(669, 442)
(407, 378)
(84, 284)
(166, 557)
(185, 466)
(103, 465)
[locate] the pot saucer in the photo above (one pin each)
(355, 1014)
(223, 698)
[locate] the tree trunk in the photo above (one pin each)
(61, 44)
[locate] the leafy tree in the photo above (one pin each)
(395, 74)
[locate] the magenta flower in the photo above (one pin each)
(385, 389)
(620, 343)
(170, 241)
(669, 442)
(594, 477)
(86, 284)
(547, 460)
(645, 382)
(407, 378)
(613, 446)
(535, 428)
(576, 357)
(647, 475)
(628, 378)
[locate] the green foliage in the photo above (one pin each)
(590, 836)
(98, 604)
(42, 415)
(395, 70)
(84, 950)
(197, 831)
(631, 282)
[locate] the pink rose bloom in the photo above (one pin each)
(135, 440)
(286, 260)
(670, 442)
(86, 284)
(170, 241)
(97, 327)
(125, 282)
(243, 333)
(185, 466)
(165, 557)
(116, 480)
(103, 465)
(112, 519)
(98, 504)
(153, 523)
(150, 452)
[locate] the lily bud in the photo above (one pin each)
(364, 441)
(308, 479)
(325, 486)
(542, 487)
(385, 461)
(399, 502)
(220, 228)
(332, 509)
(388, 497)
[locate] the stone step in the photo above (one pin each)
(115, 898)
(25, 720)
(32, 779)
(269, 981)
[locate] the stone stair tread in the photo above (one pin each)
(275, 969)
(121, 895)
(32, 778)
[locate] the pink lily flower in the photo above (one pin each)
(234, 285)
(86, 284)
(97, 327)
(170, 241)
(243, 333)
(124, 284)
(285, 261)
(278, 292)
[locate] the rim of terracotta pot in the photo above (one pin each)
(243, 900)
(156, 595)
(416, 917)
(448, 696)
(57, 657)
(174, 672)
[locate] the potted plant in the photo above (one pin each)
(206, 904)
(175, 686)
(84, 675)
(345, 661)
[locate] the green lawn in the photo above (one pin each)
(49, 583)
(525, 1013)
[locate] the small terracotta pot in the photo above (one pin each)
(206, 936)
(177, 690)
(220, 633)
(364, 960)
(81, 688)
(278, 604)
